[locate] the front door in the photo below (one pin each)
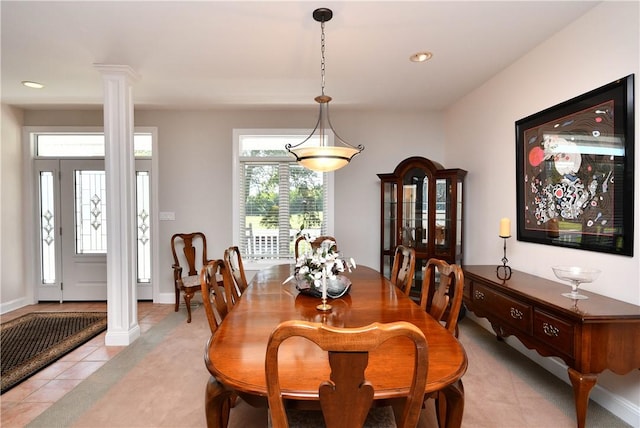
(74, 243)
(84, 229)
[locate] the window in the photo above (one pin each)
(274, 197)
(61, 144)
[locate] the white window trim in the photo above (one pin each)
(254, 265)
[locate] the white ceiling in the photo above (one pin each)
(206, 54)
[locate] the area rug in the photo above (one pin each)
(33, 341)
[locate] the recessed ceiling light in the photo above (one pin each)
(421, 56)
(34, 85)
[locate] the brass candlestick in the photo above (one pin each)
(504, 271)
(324, 306)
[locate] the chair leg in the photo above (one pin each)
(187, 300)
(177, 299)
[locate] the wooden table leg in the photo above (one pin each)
(217, 404)
(454, 395)
(582, 384)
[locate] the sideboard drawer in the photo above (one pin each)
(514, 313)
(554, 332)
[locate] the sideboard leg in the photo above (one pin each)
(217, 404)
(582, 384)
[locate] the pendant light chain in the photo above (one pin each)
(322, 60)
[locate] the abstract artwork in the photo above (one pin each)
(575, 172)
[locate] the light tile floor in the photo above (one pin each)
(24, 402)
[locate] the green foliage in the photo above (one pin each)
(305, 196)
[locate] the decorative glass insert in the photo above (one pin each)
(47, 231)
(143, 198)
(90, 209)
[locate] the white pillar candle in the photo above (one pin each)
(324, 286)
(505, 227)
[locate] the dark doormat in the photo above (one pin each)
(33, 341)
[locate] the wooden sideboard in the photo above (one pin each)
(589, 335)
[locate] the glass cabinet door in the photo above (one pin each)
(443, 214)
(389, 215)
(414, 230)
(389, 224)
(459, 221)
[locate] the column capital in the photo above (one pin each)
(117, 70)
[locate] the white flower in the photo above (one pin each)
(322, 261)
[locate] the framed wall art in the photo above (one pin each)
(574, 172)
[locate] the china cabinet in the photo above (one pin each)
(421, 205)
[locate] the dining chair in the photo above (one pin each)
(232, 254)
(404, 267)
(213, 276)
(346, 398)
(232, 289)
(302, 245)
(187, 261)
(214, 281)
(441, 296)
(441, 293)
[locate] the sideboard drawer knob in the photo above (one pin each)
(550, 330)
(516, 313)
(479, 295)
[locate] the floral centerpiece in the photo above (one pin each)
(317, 271)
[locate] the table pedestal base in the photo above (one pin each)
(217, 404)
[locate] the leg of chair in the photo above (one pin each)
(217, 403)
(188, 294)
(177, 299)
(440, 404)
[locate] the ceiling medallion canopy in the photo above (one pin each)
(323, 157)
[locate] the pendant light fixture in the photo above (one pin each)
(323, 158)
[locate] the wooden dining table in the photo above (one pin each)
(235, 353)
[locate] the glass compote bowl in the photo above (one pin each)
(576, 276)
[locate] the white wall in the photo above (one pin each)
(12, 275)
(195, 161)
(597, 49)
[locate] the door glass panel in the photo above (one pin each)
(90, 210)
(306, 201)
(143, 197)
(47, 231)
(261, 210)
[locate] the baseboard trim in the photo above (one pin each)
(614, 403)
(13, 305)
(165, 298)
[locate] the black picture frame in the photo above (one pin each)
(575, 171)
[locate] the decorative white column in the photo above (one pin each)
(122, 305)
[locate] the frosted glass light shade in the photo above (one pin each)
(324, 158)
